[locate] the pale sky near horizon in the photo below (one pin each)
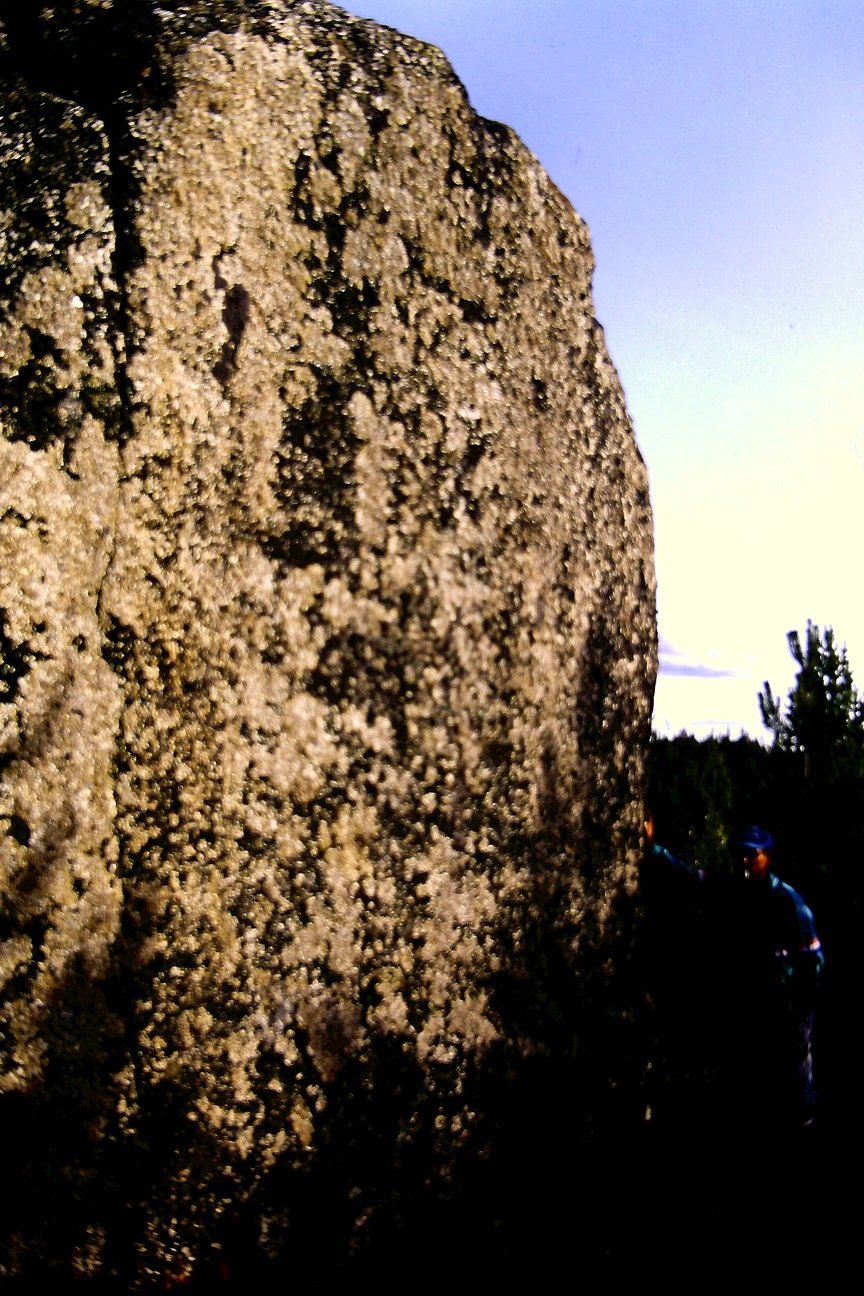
(716, 150)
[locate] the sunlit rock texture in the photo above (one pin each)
(327, 629)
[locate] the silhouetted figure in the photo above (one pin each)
(767, 959)
(732, 966)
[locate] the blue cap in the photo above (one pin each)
(755, 839)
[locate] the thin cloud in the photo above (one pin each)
(695, 670)
(674, 662)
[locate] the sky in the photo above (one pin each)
(716, 150)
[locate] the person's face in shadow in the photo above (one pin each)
(755, 865)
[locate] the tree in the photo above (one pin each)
(821, 730)
(824, 714)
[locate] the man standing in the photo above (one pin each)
(768, 963)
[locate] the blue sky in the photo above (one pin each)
(716, 150)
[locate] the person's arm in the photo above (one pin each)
(802, 966)
(661, 858)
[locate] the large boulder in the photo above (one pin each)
(327, 629)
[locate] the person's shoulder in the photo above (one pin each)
(795, 900)
(787, 892)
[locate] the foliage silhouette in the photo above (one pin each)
(824, 714)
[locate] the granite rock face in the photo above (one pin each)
(326, 577)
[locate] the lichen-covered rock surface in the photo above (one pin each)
(327, 641)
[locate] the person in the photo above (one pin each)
(767, 960)
(732, 965)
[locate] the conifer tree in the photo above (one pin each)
(824, 714)
(822, 726)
